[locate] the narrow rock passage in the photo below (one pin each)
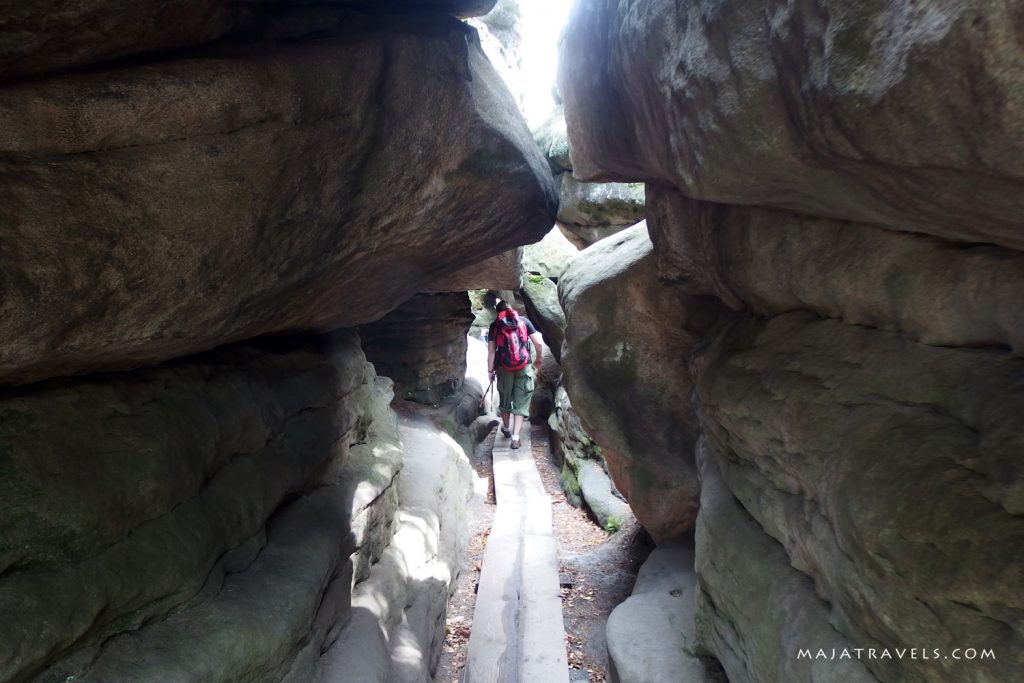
(518, 633)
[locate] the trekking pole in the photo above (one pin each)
(487, 391)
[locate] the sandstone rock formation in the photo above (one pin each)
(571, 445)
(550, 256)
(652, 635)
(34, 38)
(504, 271)
(628, 379)
(178, 496)
(540, 297)
(842, 183)
(194, 197)
(898, 115)
(421, 345)
(853, 512)
(763, 611)
(587, 212)
(159, 210)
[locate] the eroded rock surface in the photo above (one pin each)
(752, 606)
(160, 210)
(652, 635)
(899, 115)
(550, 256)
(841, 183)
(919, 464)
(540, 297)
(627, 378)
(587, 212)
(503, 271)
(177, 498)
(421, 345)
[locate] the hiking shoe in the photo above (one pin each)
(515, 442)
(506, 432)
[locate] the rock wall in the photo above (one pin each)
(626, 377)
(161, 209)
(202, 477)
(841, 184)
(421, 345)
(215, 486)
(897, 115)
(587, 212)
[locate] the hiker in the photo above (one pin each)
(509, 356)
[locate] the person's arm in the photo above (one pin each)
(490, 358)
(538, 347)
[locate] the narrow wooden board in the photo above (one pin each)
(518, 635)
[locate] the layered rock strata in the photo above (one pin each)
(843, 185)
(194, 490)
(765, 611)
(421, 345)
(247, 178)
(587, 212)
(158, 210)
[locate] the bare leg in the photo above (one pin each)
(504, 419)
(517, 424)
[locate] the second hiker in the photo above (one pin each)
(514, 353)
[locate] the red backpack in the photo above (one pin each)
(511, 341)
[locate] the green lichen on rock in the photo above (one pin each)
(570, 485)
(611, 211)
(613, 524)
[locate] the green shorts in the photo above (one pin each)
(516, 390)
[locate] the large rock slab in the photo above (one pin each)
(593, 211)
(889, 472)
(35, 38)
(652, 635)
(131, 498)
(754, 612)
(421, 345)
(901, 115)
(628, 379)
(770, 262)
(503, 271)
(540, 297)
(550, 256)
(198, 201)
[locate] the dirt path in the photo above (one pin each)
(597, 571)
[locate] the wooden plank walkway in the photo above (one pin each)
(518, 635)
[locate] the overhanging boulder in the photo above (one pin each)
(899, 114)
(200, 201)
